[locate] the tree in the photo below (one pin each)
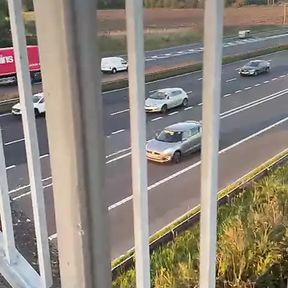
(5, 37)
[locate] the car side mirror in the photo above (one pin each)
(168, 97)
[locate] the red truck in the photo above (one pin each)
(8, 68)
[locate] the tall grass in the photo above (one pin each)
(252, 243)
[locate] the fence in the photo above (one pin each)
(67, 41)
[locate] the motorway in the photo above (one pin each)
(254, 127)
(192, 53)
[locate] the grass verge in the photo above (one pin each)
(171, 235)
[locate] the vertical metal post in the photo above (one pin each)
(5, 210)
(213, 33)
(70, 66)
(31, 141)
(135, 38)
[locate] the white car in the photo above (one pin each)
(165, 99)
(113, 64)
(38, 104)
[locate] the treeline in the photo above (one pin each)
(120, 4)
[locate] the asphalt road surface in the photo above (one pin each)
(254, 127)
(180, 55)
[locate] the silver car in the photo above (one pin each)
(255, 67)
(164, 99)
(174, 142)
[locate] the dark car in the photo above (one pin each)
(255, 67)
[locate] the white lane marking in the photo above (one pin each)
(28, 193)
(174, 175)
(238, 91)
(188, 108)
(227, 95)
(274, 79)
(13, 142)
(199, 79)
(44, 156)
(282, 76)
(152, 91)
(10, 167)
(189, 92)
(118, 152)
(119, 112)
(265, 82)
(27, 186)
(228, 113)
(156, 119)
(237, 69)
(248, 88)
(258, 84)
(200, 104)
(173, 113)
(118, 158)
(230, 80)
(167, 54)
(117, 132)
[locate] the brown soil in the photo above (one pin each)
(114, 20)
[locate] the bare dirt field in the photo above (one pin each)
(171, 19)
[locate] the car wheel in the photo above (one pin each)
(114, 71)
(36, 112)
(164, 108)
(177, 157)
(185, 102)
(267, 69)
(256, 73)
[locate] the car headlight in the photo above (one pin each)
(167, 152)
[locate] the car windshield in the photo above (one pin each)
(253, 64)
(158, 95)
(36, 98)
(169, 136)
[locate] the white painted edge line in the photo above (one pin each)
(44, 156)
(200, 104)
(28, 193)
(282, 76)
(5, 114)
(174, 175)
(117, 132)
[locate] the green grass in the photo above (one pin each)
(252, 242)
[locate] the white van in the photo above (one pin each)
(113, 64)
(244, 34)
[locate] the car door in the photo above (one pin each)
(170, 100)
(196, 136)
(176, 98)
(187, 141)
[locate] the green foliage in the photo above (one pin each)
(252, 243)
(27, 5)
(4, 23)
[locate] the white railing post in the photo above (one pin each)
(70, 64)
(213, 33)
(31, 140)
(135, 40)
(5, 210)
